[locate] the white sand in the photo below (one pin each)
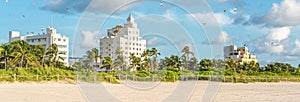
(228, 92)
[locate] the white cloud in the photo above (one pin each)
(223, 38)
(284, 14)
(279, 34)
(88, 39)
(221, 18)
(273, 42)
(291, 58)
(152, 41)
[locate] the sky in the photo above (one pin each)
(269, 28)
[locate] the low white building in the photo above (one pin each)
(238, 54)
(126, 37)
(45, 39)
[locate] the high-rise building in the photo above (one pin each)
(45, 39)
(126, 37)
(238, 54)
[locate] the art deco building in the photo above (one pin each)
(126, 37)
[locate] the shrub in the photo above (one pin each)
(171, 76)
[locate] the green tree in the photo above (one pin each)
(96, 55)
(146, 63)
(53, 54)
(107, 63)
(119, 62)
(193, 63)
(154, 54)
(205, 65)
(185, 55)
(172, 62)
(21, 53)
(5, 54)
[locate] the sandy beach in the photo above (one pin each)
(141, 92)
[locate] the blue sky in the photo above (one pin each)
(270, 28)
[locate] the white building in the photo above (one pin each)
(238, 54)
(126, 37)
(51, 37)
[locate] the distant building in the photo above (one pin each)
(126, 37)
(51, 37)
(238, 54)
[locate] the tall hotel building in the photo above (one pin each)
(126, 37)
(51, 37)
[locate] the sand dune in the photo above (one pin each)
(145, 92)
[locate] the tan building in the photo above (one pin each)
(238, 54)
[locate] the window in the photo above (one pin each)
(28, 40)
(64, 40)
(32, 40)
(39, 40)
(108, 44)
(59, 39)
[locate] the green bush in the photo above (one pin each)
(171, 76)
(143, 73)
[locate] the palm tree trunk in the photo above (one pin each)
(5, 64)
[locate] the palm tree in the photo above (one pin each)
(193, 63)
(96, 55)
(5, 53)
(21, 52)
(154, 53)
(119, 61)
(205, 65)
(173, 62)
(107, 63)
(135, 61)
(185, 55)
(53, 54)
(41, 51)
(146, 60)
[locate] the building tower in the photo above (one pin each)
(126, 37)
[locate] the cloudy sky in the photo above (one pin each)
(270, 28)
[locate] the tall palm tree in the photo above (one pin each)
(5, 53)
(53, 54)
(41, 53)
(185, 54)
(119, 61)
(146, 63)
(96, 55)
(155, 54)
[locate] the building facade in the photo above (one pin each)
(238, 54)
(46, 39)
(126, 37)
